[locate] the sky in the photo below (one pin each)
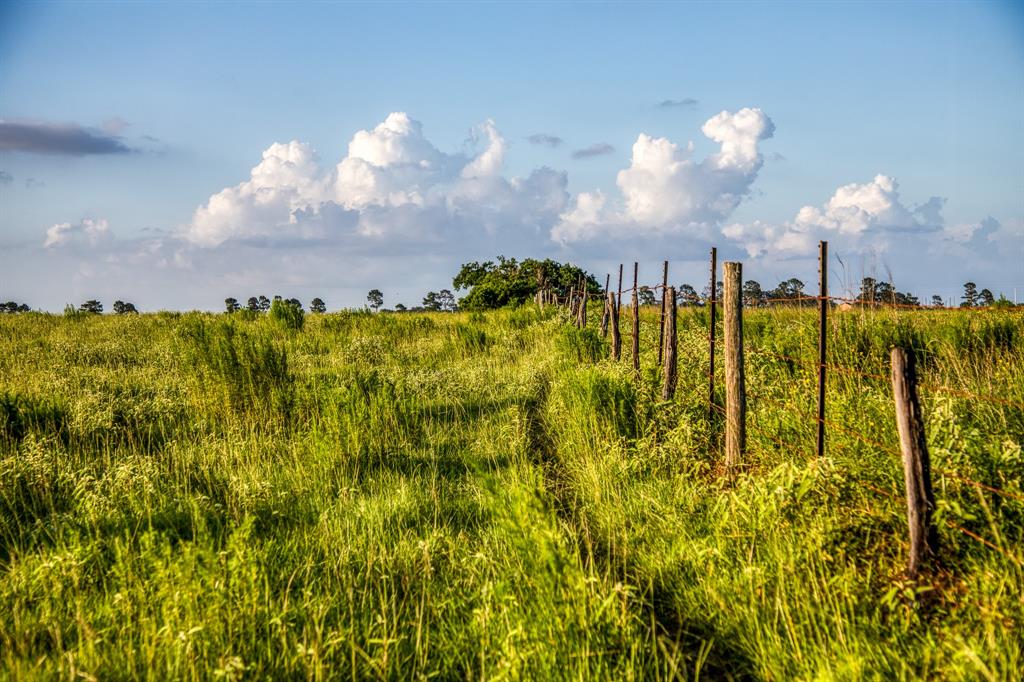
(174, 154)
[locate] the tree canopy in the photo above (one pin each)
(511, 282)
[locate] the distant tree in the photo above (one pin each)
(753, 295)
(122, 308)
(688, 295)
(791, 289)
(13, 307)
(446, 300)
(317, 305)
(874, 291)
(294, 302)
(719, 292)
(430, 301)
(253, 304)
(264, 304)
(646, 295)
(400, 307)
(970, 295)
(231, 305)
(986, 298)
(91, 306)
(375, 298)
(867, 289)
(936, 301)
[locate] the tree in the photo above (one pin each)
(317, 305)
(792, 288)
(14, 307)
(867, 289)
(122, 308)
(986, 297)
(264, 304)
(375, 299)
(400, 307)
(646, 295)
(688, 295)
(91, 306)
(231, 305)
(970, 295)
(446, 300)
(936, 301)
(719, 292)
(511, 282)
(294, 302)
(753, 295)
(430, 301)
(253, 304)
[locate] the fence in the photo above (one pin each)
(913, 447)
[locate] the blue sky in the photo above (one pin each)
(926, 96)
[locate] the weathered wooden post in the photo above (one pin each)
(616, 337)
(582, 319)
(668, 304)
(661, 331)
(604, 315)
(636, 320)
(711, 334)
(618, 298)
(735, 393)
(924, 539)
(822, 339)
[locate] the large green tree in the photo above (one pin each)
(512, 282)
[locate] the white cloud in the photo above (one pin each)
(393, 181)
(288, 179)
(665, 191)
(87, 230)
(857, 215)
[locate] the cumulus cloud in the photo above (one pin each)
(597, 149)
(664, 190)
(685, 103)
(545, 140)
(858, 214)
(392, 182)
(68, 139)
(87, 230)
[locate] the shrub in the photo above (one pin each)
(287, 314)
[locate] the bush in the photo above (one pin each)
(287, 314)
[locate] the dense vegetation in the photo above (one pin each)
(485, 495)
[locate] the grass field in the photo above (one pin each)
(487, 496)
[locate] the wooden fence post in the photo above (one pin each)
(661, 332)
(711, 334)
(618, 299)
(604, 315)
(822, 339)
(668, 304)
(735, 394)
(924, 540)
(582, 321)
(616, 337)
(636, 320)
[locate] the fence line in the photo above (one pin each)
(912, 450)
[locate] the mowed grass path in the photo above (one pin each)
(488, 497)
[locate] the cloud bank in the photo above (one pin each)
(393, 183)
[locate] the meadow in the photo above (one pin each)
(488, 496)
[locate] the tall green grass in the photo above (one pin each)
(488, 496)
